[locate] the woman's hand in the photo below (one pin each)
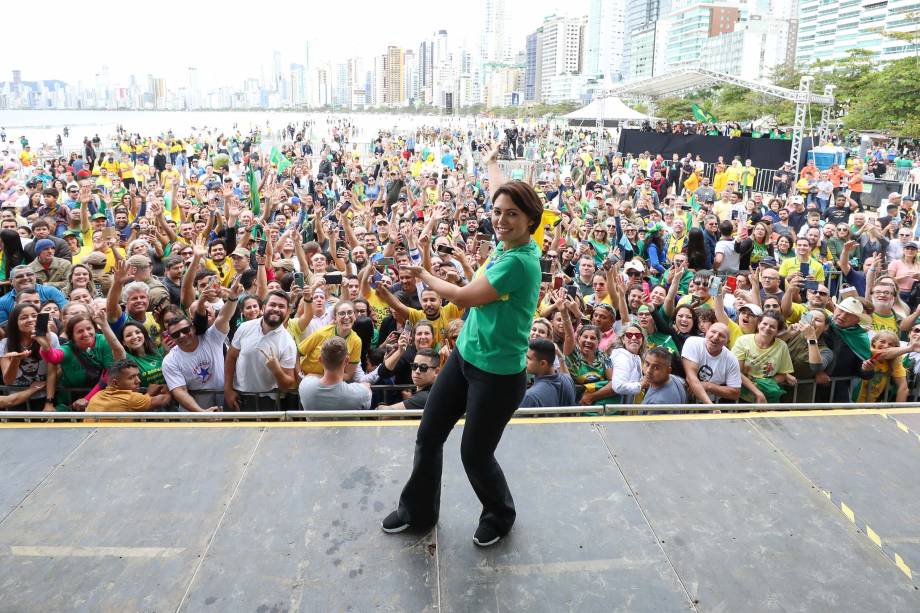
(79, 404)
(587, 399)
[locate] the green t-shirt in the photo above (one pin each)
(74, 374)
(150, 366)
(494, 337)
(660, 339)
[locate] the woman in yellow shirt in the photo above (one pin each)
(343, 315)
(720, 180)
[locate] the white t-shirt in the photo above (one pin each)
(722, 369)
(252, 375)
(202, 369)
(731, 261)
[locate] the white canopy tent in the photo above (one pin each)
(610, 110)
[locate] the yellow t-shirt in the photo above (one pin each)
(381, 309)
(224, 273)
(88, 248)
(311, 346)
(885, 322)
(112, 166)
(126, 169)
(112, 401)
(141, 172)
(448, 313)
(169, 177)
(791, 265)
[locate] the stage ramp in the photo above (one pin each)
(792, 512)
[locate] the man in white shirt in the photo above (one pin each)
(712, 371)
(194, 369)
(261, 359)
(727, 259)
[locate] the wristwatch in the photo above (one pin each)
(812, 341)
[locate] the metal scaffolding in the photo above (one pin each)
(683, 80)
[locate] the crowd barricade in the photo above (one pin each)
(587, 412)
(806, 395)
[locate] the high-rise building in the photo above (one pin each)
(379, 80)
(680, 35)
(639, 33)
(341, 89)
(442, 77)
(561, 53)
(828, 30)
(193, 99)
(496, 39)
(411, 76)
(395, 83)
(298, 85)
(533, 64)
(753, 50)
(604, 39)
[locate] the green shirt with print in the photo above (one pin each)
(494, 337)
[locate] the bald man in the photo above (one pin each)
(712, 371)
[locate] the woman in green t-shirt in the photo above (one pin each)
(141, 350)
(87, 355)
(484, 377)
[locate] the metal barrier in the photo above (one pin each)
(584, 411)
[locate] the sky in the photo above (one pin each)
(178, 34)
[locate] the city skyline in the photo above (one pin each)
(564, 56)
(366, 30)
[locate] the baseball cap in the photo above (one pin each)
(285, 264)
(240, 252)
(95, 260)
(98, 216)
(755, 310)
(634, 265)
(139, 261)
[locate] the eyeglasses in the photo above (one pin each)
(633, 273)
(181, 332)
(821, 292)
(633, 335)
(422, 368)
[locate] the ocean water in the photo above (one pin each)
(42, 127)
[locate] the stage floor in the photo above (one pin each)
(718, 513)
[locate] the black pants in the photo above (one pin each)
(488, 400)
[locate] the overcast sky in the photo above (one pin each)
(60, 40)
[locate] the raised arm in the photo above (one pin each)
(222, 323)
(187, 290)
(113, 300)
(118, 351)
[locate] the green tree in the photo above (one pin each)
(890, 101)
(673, 108)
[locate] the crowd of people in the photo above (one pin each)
(227, 273)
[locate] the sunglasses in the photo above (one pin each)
(181, 332)
(634, 273)
(915, 330)
(423, 368)
(633, 335)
